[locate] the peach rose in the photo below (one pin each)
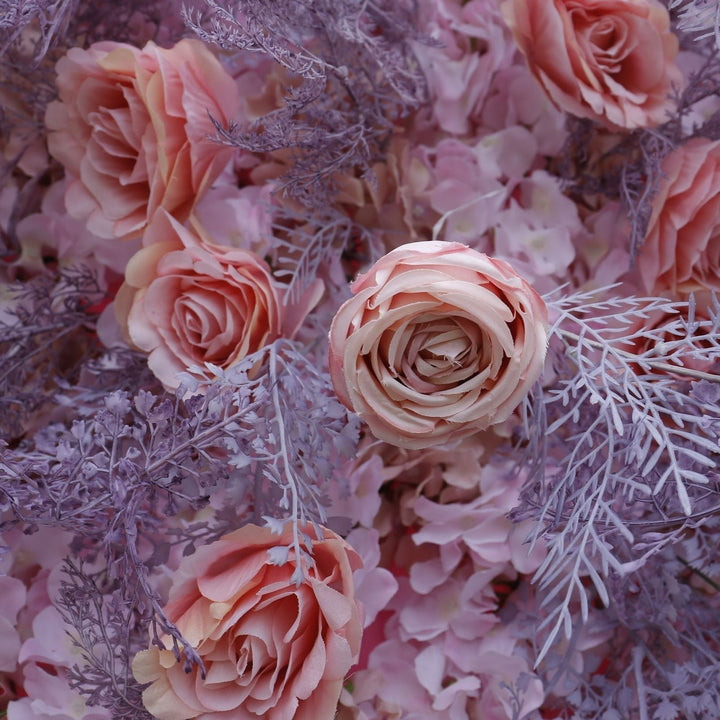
(681, 252)
(132, 125)
(608, 60)
(187, 302)
(439, 341)
(272, 648)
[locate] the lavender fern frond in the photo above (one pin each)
(266, 434)
(293, 440)
(627, 435)
(40, 25)
(351, 75)
(303, 242)
(104, 629)
(698, 17)
(46, 333)
(306, 38)
(273, 409)
(48, 17)
(656, 655)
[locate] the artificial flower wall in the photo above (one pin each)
(359, 361)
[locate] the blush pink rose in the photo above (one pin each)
(681, 252)
(608, 60)
(188, 302)
(272, 648)
(132, 127)
(438, 342)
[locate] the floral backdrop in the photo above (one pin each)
(359, 359)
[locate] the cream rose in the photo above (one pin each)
(272, 649)
(132, 127)
(681, 252)
(438, 342)
(608, 60)
(188, 302)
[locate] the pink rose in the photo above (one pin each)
(187, 302)
(608, 60)
(681, 252)
(440, 341)
(272, 648)
(132, 125)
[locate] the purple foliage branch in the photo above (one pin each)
(661, 657)
(292, 442)
(49, 18)
(104, 628)
(304, 242)
(46, 336)
(351, 75)
(622, 463)
(265, 435)
(629, 171)
(700, 18)
(33, 28)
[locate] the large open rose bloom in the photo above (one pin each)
(438, 342)
(608, 60)
(272, 649)
(132, 127)
(188, 302)
(681, 252)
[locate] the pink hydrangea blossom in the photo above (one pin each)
(13, 594)
(536, 230)
(54, 231)
(40, 650)
(473, 45)
(237, 217)
(516, 99)
(374, 585)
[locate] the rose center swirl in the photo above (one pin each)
(435, 354)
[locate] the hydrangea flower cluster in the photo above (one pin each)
(359, 360)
